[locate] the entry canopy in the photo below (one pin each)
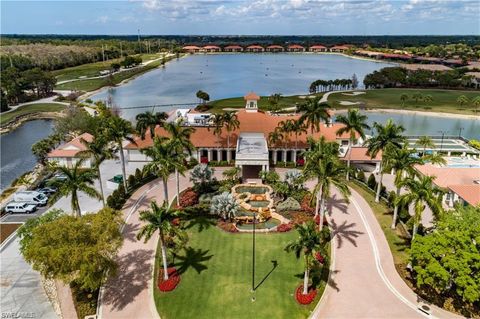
(251, 149)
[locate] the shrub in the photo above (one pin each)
(361, 176)
(391, 198)
(371, 182)
(383, 191)
(283, 228)
(171, 283)
(188, 198)
(288, 205)
(131, 181)
(223, 163)
(192, 162)
(138, 175)
(224, 205)
(306, 205)
(305, 299)
(319, 258)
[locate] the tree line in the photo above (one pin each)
(333, 85)
(392, 77)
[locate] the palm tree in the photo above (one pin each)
(476, 103)
(388, 135)
(417, 96)
(180, 142)
(322, 163)
(313, 113)
(354, 123)
(76, 179)
(231, 122)
(298, 128)
(148, 121)
(428, 98)
(217, 121)
(402, 162)
(462, 99)
(100, 150)
(163, 161)
(159, 218)
(275, 137)
(286, 127)
(422, 193)
(425, 142)
(403, 98)
(117, 130)
(307, 242)
(436, 159)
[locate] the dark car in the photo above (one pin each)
(48, 190)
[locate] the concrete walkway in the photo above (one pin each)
(21, 290)
(130, 293)
(364, 282)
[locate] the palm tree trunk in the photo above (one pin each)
(322, 208)
(317, 202)
(414, 231)
(101, 186)
(348, 161)
(305, 277)
(177, 181)
(124, 172)
(75, 204)
(165, 190)
(164, 257)
(395, 211)
(379, 186)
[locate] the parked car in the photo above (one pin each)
(31, 197)
(59, 177)
(47, 190)
(21, 208)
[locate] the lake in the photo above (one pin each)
(231, 75)
(16, 154)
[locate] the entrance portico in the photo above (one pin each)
(252, 154)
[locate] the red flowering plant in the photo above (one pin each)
(319, 257)
(307, 298)
(317, 220)
(171, 283)
(227, 226)
(188, 198)
(306, 204)
(283, 228)
(204, 160)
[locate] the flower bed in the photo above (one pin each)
(319, 258)
(227, 226)
(171, 283)
(317, 220)
(188, 198)
(305, 299)
(283, 228)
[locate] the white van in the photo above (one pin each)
(22, 208)
(30, 197)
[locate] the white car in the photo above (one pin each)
(30, 197)
(21, 208)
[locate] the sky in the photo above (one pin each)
(242, 17)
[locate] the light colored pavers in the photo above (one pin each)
(21, 291)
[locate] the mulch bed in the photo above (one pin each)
(171, 283)
(6, 230)
(305, 299)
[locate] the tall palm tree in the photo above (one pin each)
(462, 99)
(298, 128)
(388, 135)
(217, 121)
(425, 142)
(180, 142)
(76, 179)
(286, 127)
(307, 242)
(148, 121)
(159, 218)
(118, 130)
(163, 161)
(231, 122)
(100, 150)
(403, 98)
(421, 193)
(354, 123)
(402, 161)
(313, 113)
(322, 163)
(275, 137)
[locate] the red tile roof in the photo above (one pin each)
(446, 176)
(469, 193)
(72, 148)
(251, 96)
(254, 47)
(233, 47)
(191, 47)
(274, 46)
(295, 46)
(318, 47)
(249, 122)
(340, 47)
(360, 154)
(211, 47)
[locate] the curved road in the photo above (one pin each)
(364, 282)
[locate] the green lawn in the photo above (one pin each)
(239, 102)
(443, 100)
(397, 240)
(30, 108)
(217, 280)
(93, 69)
(94, 84)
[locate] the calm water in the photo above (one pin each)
(418, 124)
(231, 75)
(16, 154)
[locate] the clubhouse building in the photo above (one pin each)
(248, 146)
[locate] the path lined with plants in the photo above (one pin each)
(364, 281)
(130, 293)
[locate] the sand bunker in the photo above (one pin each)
(353, 93)
(348, 103)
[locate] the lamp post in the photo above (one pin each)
(443, 135)
(253, 256)
(460, 132)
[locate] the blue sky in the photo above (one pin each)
(278, 17)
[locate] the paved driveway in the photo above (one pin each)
(21, 291)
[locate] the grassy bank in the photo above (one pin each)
(443, 100)
(30, 108)
(217, 277)
(95, 84)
